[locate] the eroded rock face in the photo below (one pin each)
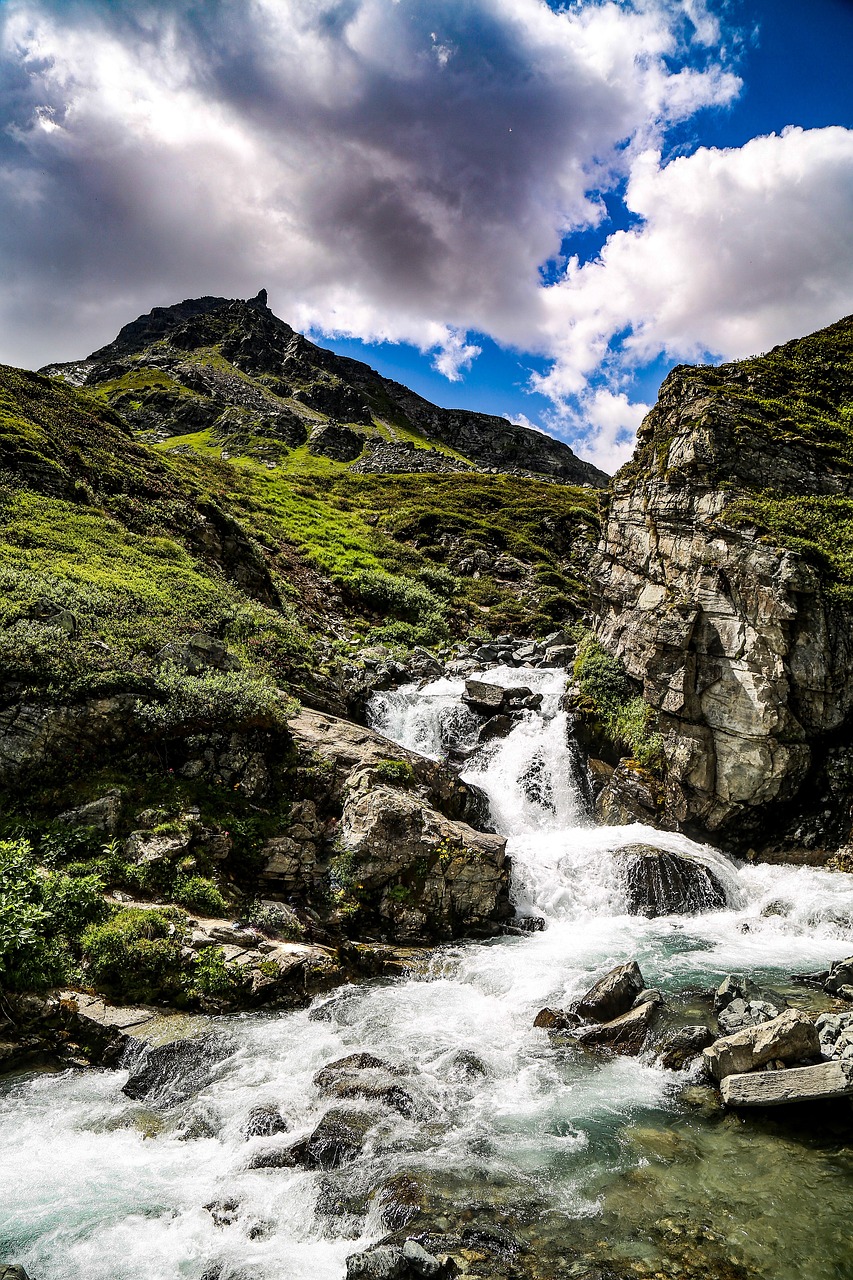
(435, 877)
(738, 643)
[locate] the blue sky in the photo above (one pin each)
(525, 208)
(796, 64)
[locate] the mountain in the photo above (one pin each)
(724, 583)
(233, 371)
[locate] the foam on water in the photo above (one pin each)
(92, 1186)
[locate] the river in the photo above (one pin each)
(561, 1146)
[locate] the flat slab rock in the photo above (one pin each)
(795, 1084)
(790, 1037)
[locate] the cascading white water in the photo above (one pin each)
(95, 1187)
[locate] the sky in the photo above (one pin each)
(527, 208)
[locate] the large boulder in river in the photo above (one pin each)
(625, 1034)
(660, 883)
(425, 875)
(789, 1038)
(170, 1073)
(612, 995)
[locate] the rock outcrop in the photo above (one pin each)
(720, 584)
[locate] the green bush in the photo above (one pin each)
(395, 772)
(628, 720)
(199, 893)
(42, 914)
(215, 698)
(211, 976)
(388, 593)
(137, 952)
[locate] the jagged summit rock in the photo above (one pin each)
(233, 368)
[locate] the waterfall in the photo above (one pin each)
(95, 1187)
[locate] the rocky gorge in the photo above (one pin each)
(342, 839)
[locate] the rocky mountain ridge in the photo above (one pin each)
(233, 368)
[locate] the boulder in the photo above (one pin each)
(482, 696)
(682, 1045)
(789, 1038)
(103, 814)
(625, 1034)
(362, 1075)
(630, 794)
(394, 1262)
(170, 1073)
(556, 1019)
(661, 883)
(840, 976)
(337, 1139)
(745, 1013)
(201, 652)
(739, 1002)
(835, 1031)
(426, 875)
(559, 655)
(795, 1084)
(335, 441)
(612, 995)
(11, 1272)
(264, 1121)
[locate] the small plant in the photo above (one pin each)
(211, 976)
(395, 772)
(199, 893)
(137, 952)
(399, 893)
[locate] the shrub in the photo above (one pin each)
(211, 976)
(42, 914)
(137, 953)
(215, 698)
(199, 893)
(275, 917)
(628, 720)
(395, 772)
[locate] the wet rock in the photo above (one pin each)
(612, 995)
(840, 976)
(393, 1262)
(625, 1034)
(789, 1038)
(400, 1200)
(682, 1045)
(498, 727)
(337, 1139)
(796, 1084)
(171, 1073)
(630, 794)
(466, 1063)
(223, 1212)
(353, 1062)
(556, 1019)
(198, 1125)
(739, 1002)
(484, 697)
(662, 883)
(278, 1157)
(745, 1013)
(11, 1272)
(264, 1121)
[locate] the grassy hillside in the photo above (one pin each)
(143, 546)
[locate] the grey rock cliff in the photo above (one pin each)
(742, 645)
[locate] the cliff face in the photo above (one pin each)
(724, 578)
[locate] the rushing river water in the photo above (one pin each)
(602, 1153)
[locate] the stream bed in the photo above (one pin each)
(596, 1166)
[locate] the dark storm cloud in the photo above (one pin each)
(386, 169)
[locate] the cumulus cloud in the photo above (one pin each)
(736, 250)
(389, 169)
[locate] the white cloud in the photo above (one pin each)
(454, 355)
(737, 250)
(602, 426)
(327, 149)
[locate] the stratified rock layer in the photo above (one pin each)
(742, 642)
